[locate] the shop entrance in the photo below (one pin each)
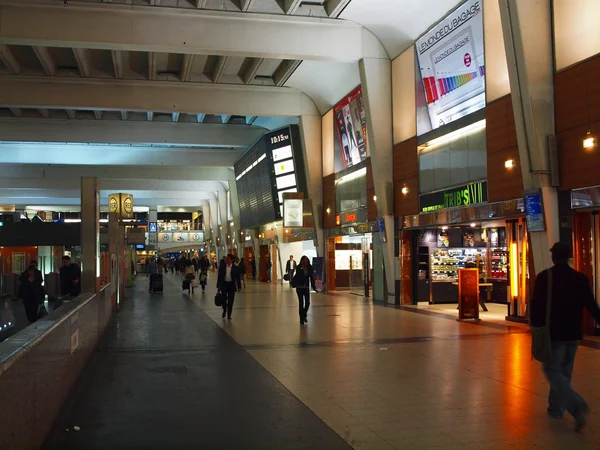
(439, 253)
(352, 263)
(586, 257)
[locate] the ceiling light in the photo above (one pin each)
(405, 190)
(589, 141)
(444, 228)
(473, 225)
(509, 163)
(328, 210)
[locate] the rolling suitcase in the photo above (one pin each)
(157, 283)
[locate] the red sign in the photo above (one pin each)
(350, 218)
(468, 294)
(467, 60)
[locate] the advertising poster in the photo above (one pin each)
(351, 131)
(317, 263)
(451, 69)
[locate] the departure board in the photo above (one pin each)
(271, 167)
(254, 186)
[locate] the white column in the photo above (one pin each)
(214, 225)
(527, 28)
(235, 210)
(222, 199)
(310, 127)
(376, 81)
(90, 234)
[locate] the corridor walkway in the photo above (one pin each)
(168, 376)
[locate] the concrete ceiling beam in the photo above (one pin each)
(134, 132)
(9, 60)
(116, 172)
(201, 32)
(139, 95)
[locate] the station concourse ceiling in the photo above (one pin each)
(179, 83)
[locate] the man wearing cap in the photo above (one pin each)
(571, 292)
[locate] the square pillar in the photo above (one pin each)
(90, 234)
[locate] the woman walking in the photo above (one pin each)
(190, 276)
(303, 281)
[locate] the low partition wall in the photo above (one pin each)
(40, 364)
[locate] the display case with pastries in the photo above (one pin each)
(445, 263)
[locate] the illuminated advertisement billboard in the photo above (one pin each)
(450, 68)
(351, 131)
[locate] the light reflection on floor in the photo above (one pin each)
(386, 378)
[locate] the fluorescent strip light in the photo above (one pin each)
(264, 155)
(453, 136)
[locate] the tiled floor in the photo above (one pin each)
(385, 378)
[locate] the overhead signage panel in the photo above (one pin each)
(292, 212)
(286, 181)
(534, 213)
(280, 154)
(284, 167)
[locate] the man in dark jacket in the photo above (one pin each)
(290, 268)
(570, 293)
(70, 276)
(228, 283)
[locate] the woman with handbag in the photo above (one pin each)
(190, 276)
(303, 281)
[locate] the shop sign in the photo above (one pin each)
(152, 227)
(136, 236)
(349, 204)
(356, 216)
(292, 213)
(196, 236)
(165, 237)
(180, 237)
(534, 213)
(381, 229)
(468, 195)
(121, 205)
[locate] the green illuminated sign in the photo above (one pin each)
(468, 195)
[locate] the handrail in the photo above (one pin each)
(16, 347)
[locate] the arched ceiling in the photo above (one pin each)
(177, 85)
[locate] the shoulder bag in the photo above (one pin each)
(541, 345)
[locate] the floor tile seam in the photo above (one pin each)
(322, 419)
(270, 373)
(379, 341)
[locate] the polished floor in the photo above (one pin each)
(170, 376)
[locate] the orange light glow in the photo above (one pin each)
(514, 275)
(524, 274)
